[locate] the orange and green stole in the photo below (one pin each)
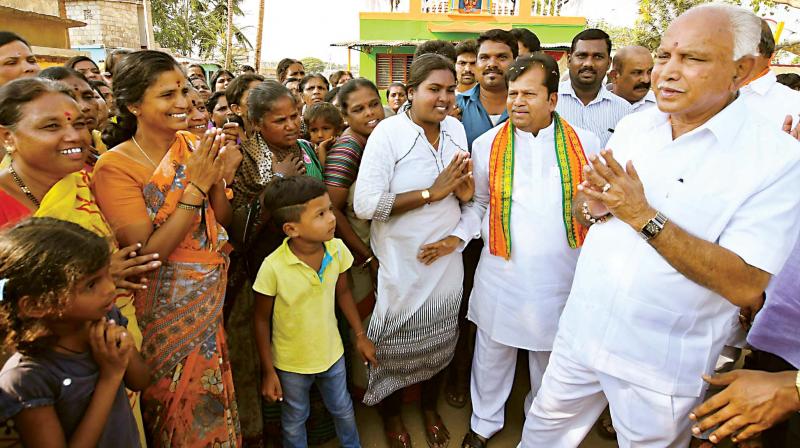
(571, 159)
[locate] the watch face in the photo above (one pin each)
(651, 228)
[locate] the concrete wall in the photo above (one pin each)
(49, 7)
(112, 23)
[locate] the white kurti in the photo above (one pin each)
(518, 302)
(414, 325)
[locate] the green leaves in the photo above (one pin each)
(196, 28)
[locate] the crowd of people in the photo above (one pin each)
(229, 260)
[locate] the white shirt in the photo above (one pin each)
(772, 99)
(600, 115)
(647, 102)
(518, 302)
(732, 181)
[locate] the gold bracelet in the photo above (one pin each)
(190, 207)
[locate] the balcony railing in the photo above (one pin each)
(493, 7)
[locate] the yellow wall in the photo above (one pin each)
(39, 32)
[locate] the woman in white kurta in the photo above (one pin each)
(413, 174)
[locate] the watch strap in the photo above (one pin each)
(653, 227)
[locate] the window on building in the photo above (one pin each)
(393, 68)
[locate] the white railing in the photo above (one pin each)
(436, 6)
(385, 5)
(546, 7)
(503, 7)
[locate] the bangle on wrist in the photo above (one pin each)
(190, 207)
(203, 192)
(367, 262)
(361, 333)
(591, 219)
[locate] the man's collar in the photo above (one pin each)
(473, 94)
(565, 88)
(762, 85)
(725, 124)
(650, 97)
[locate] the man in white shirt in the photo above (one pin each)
(704, 210)
(583, 100)
(764, 94)
(630, 77)
(518, 295)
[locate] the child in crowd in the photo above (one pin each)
(324, 123)
(296, 288)
(65, 385)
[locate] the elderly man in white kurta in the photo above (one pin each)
(704, 205)
(528, 260)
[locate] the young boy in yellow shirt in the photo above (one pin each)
(297, 289)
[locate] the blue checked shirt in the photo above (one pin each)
(600, 115)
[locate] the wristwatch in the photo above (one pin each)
(426, 195)
(653, 227)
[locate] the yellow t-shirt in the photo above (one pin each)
(305, 337)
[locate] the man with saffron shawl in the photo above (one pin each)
(526, 173)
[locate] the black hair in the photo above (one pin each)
(58, 73)
(41, 261)
(285, 199)
(114, 57)
(330, 97)
(75, 59)
(239, 85)
(422, 67)
(766, 46)
(338, 74)
(96, 85)
(791, 80)
(311, 76)
(541, 60)
(467, 46)
(324, 111)
(17, 93)
(247, 68)
(198, 66)
(132, 77)
(351, 86)
(6, 37)
(283, 67)
(213, 100)
(527, 38)
(440, 47)
(591, 34)
(263, 96)
(501, 36)
(396, 84)
(216, 76)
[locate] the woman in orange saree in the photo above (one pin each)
(159, 187)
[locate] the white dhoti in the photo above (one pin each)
(573, 396)
(493, 367)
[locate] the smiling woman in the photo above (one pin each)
(160, 186)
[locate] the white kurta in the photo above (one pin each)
(414, 324)
(773, 100)
(518, 302)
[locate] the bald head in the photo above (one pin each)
(630, 74)
(705, 55)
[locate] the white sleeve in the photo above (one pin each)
(764, 229)
(372, 199)
(472, 213)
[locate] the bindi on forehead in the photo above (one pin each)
(68, 115)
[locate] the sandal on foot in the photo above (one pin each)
(473, 440)
(456, 399)
(605, 428)
(434, 433)
(398, 439)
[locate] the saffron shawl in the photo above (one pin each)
(571, 159)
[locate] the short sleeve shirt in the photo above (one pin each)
(305, 336)
(733, 182)
(66, 382)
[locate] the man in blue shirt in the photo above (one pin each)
(485, 106)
